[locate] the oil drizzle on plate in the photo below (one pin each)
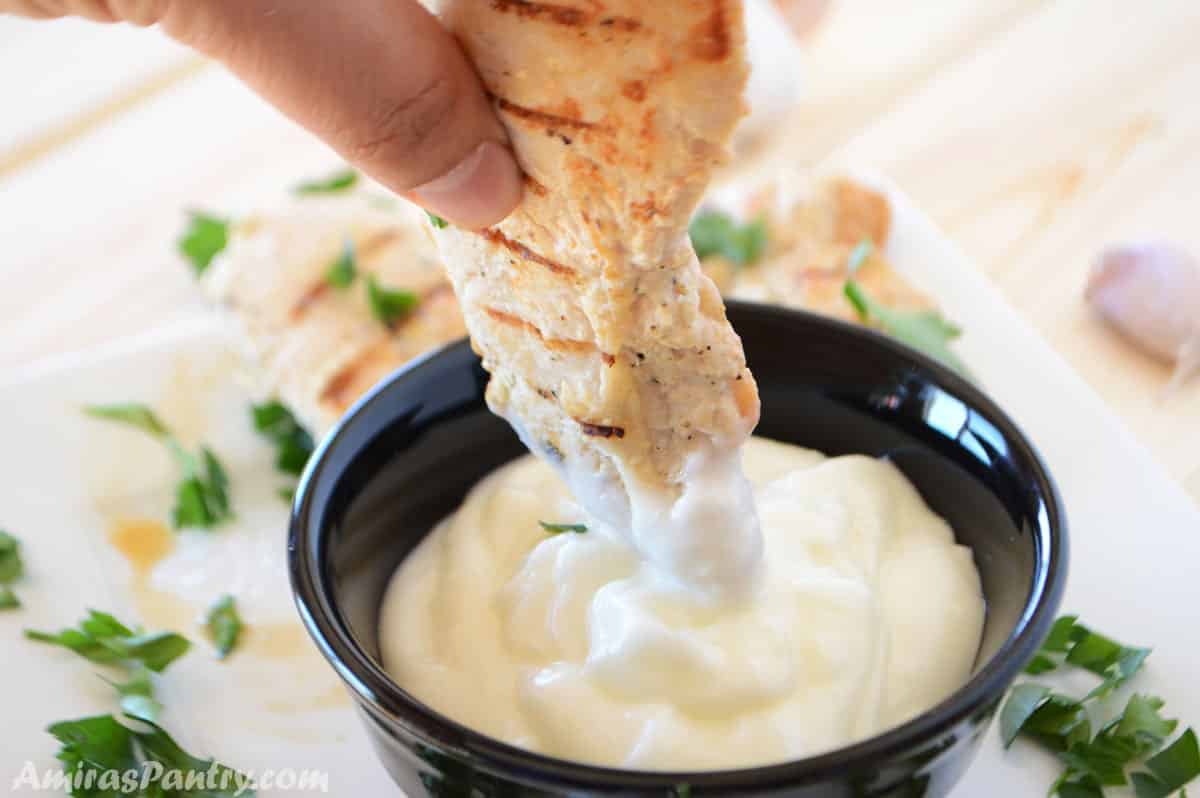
(145, 542)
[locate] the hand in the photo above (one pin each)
(380, 80)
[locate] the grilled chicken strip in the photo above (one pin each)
(316, 346)
(608, 348)
(809, 243)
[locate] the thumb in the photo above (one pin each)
(380, 80)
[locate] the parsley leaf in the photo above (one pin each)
(97, 743)
(387, 305)
(858, 256)
(12, 568)
(558, 529)
(1142, 722)
(1061, 723)
(292, 442)
(224, 625)
(716, 233)
(1084, 648)
(1023, 701)
(1170, 769)
(203, 239)
(135, 415)
(344, 269)
(437, 221)
(103, 639)
(103, 745)
(335, 183)
(202, 495)
(925, 330)
(137, 695)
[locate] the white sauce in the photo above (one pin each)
(865, 612)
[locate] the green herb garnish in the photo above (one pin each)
(1072, 643)
(925, 330)
(204, 237)
(224, 625)
(344, 269)
(716, 233)
(293, 444)
(437, 221)
(103, 639)
(558, 529)
(335, 183)
(1060, 723)
(858, 256)
(202, 495)
(137, 695)
(387, 305)
(1170, 770)
(12, 568)
(111, 749)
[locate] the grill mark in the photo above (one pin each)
(626, 24)
(535, 187)
(376, 242)
(335, 390)
(311, 297)
(320, 288)
(517, 248)
(542, 117)
(634, 90)
(645, 210)
(600, 430)
(343, 379)
(560, 15)
(558, 344)
(708, 40)
(563, 15)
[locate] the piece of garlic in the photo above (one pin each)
(1151, 293)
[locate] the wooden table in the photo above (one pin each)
(1033, 132)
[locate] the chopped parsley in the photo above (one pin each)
(12, 568)
(1061, 724)
(924, 330)
(334, 184)
(716, 233)
(293, 444)
(344, 268)
(558, 529)
(102, 639)
(387, 305)
(137, 695)
(223, 625)
(1072, 643)
(204, 238)
(858, 256)
(202, 494)
(111, 749)
(437, 221)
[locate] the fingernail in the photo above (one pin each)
(480, 191)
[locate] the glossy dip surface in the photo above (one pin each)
(864, 612)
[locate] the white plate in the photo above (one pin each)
(1135, 540)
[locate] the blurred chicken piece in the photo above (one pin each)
(809, 245)
(318, 347)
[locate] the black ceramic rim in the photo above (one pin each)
(312, 585)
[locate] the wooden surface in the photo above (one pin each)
(1033, 132)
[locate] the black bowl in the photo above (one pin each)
(407, 454)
